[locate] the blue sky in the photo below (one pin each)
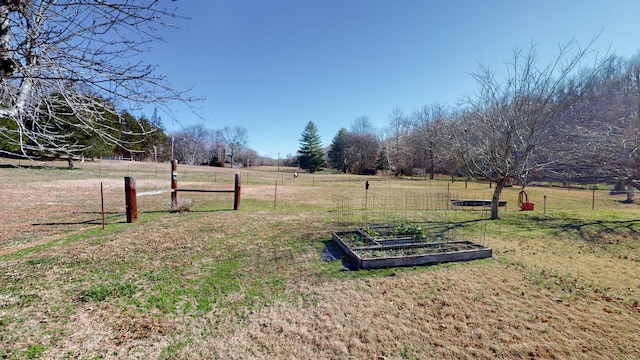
(272, 66)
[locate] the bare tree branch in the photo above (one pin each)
(513, 121)
(80, 52)
(235, 140)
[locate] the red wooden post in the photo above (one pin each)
(130, 199)
(174, 184)
(236, 194)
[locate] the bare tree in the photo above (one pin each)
(428, 140)
(362, 125)
(217, 149)
(513, 121)
(191, 145)
(398, 143)
(249, 157)
(84, 53)
(362, 153)
(361, 148)
(613, 138)
(628, 144)
(235, 140)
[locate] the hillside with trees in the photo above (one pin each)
(560, 121)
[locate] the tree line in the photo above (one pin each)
(63, 133)
(63, 79)
(561, 121)
(197, 145)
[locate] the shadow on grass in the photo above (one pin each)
(332, 252)
(97, 221)
(113, 215)
(455, 225)
(37, 167)
(578, 228)
(591, 230)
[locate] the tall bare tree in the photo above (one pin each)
(614, 124)
(88, 52)
(514, 121)
(235, 138)
(362, 125)
(362, 153)
(362, 147)
(428, 138)
(191, 145)
(397, 143)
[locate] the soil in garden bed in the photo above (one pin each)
(369, 252)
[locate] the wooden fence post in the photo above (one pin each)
(174, 184)
(236, 193)
(102, 204)
(130, 199)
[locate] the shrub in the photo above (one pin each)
(183, 206)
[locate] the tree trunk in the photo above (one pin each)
(495, 201)
(619, 188)
(6, 62)
(432, 165)
(630, 186)
(70, 162)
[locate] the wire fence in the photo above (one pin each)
(41, 198)
(429, 215)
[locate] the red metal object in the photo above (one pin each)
(527, 206)
(523, 201)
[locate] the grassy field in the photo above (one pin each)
(564, 281)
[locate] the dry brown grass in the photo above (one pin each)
(214, 283)
(486, 311)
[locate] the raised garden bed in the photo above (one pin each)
(372, 252)
(475, 203)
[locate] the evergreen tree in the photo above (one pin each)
(383, 160)
(310, 154)
(131, 137)
(339, 149)
(155, 143)
(63, 122)
(142, 138)
(159, 146)
(9, 137)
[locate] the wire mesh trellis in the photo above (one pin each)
(426, 216)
